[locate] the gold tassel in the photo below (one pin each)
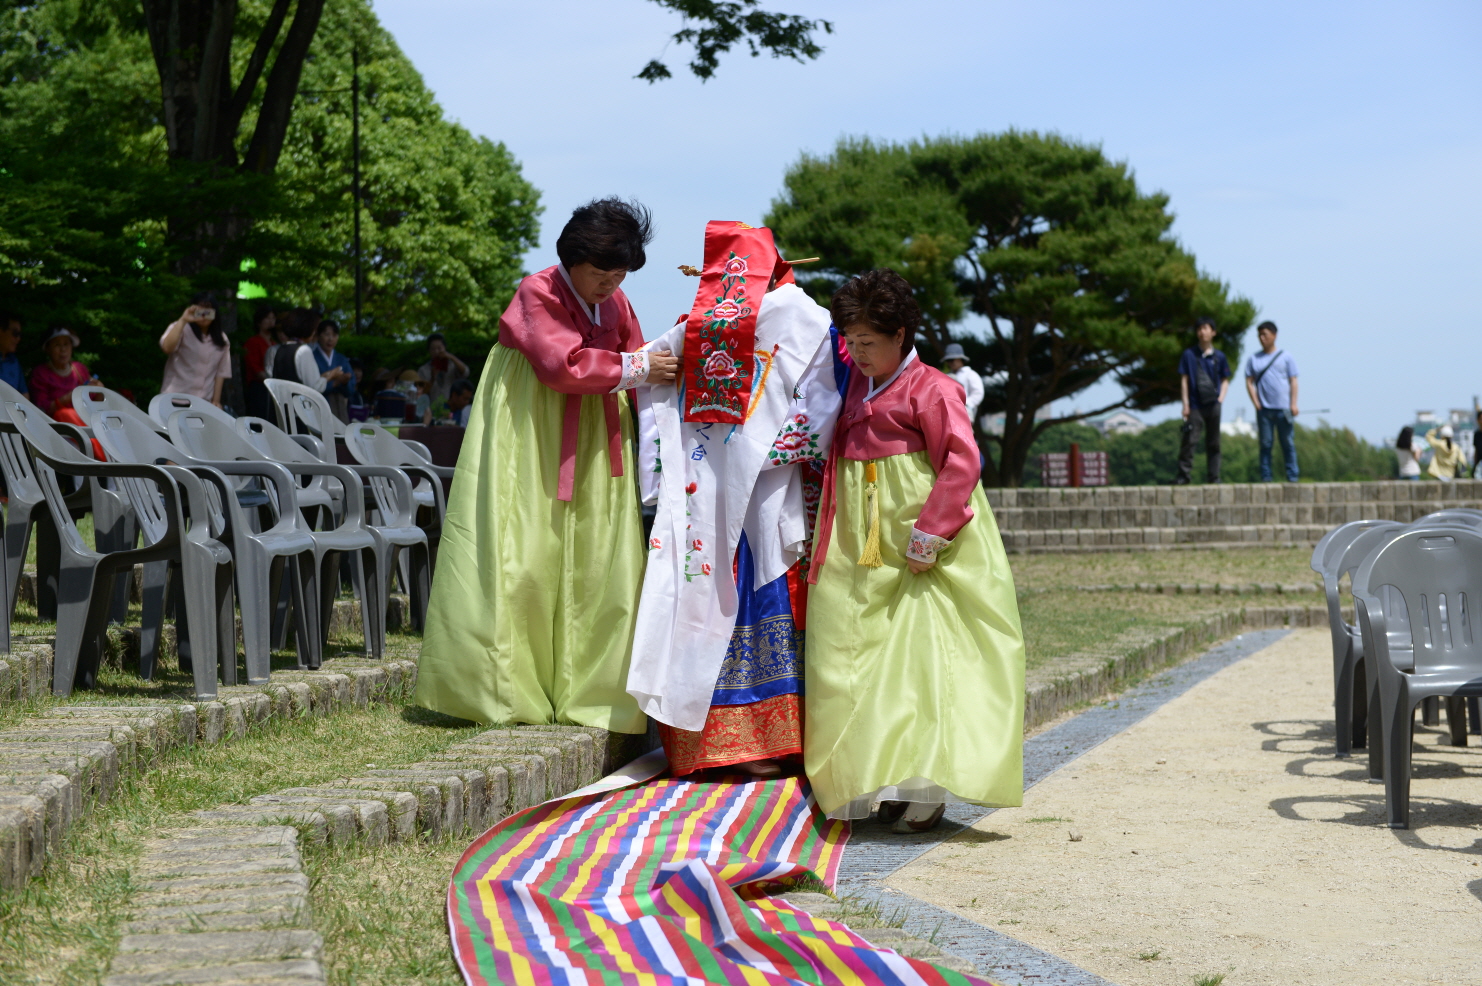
(870, 557)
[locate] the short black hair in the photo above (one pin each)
(298, 323)
(329, 323)
(880, 299)
(460, 387)
(609, 234)
(436, 337)
(1267, 326)
(1204, 320)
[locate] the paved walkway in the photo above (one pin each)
(1219, 835)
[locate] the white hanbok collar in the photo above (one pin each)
(874, 391)
(594, 312)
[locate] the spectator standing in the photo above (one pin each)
(199, 361)
(1407, 454)
(10, 341)
(459, 401)
(306, 359)
(955, 363)
(1271, 379)
(332, 368)
(298, 326)
(255, 361)
(1204, 380)
(442, 368)
(1446, 457)
(52, 382)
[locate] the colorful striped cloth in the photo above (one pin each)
(661, 884)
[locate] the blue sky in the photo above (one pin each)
(1322, 158)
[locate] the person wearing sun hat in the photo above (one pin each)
(1446, 456)
(954, 361)
(52, 382)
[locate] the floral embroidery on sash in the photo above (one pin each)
(924, 547)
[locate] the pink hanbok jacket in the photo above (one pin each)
(921, 409)
(574, 351)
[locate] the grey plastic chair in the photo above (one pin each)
(86, 576)
(372, 445)
(1463, 516)
(1438, 573)
(23, 512)
(304, 410)
(1333, 559)
(263, 557)
(396, 532)
(204, 436)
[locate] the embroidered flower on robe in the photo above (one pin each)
(690, 489)
(697, 544)
(655, 543)
(705, 569)
(735, 267)
(727, 311)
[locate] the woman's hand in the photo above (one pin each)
(917, 567)
(663, 367)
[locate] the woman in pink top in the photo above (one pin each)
(199, 359)
(915, 658)
(52, 382)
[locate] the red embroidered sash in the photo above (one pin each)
(720, 337)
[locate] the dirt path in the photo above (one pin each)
(1220, 836)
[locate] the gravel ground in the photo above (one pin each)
(1220, 837)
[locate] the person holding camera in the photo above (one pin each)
(1204, 379)
(199, 359)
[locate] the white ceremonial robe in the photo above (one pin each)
(709, 486)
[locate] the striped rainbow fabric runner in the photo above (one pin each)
(661, 884)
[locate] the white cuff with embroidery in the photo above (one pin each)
(924, 547)
(635, 371)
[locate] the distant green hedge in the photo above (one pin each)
(1324, 454)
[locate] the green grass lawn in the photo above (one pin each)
(1241, 566)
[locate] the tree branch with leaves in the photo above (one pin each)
(713, 27)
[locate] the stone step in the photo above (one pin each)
(251, 932)
(55, 766)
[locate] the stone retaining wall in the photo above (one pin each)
(1108, 518)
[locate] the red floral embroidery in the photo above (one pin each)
(735, 267)
(690, 489)
(697, 544)
(720, 366)
(655, 543)
(705, 569)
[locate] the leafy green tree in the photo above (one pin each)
(1071, 265)
(712, 27)
(87, 191)
(446, 218)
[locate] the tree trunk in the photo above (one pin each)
(192, 44)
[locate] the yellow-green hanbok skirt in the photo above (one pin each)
(915, 683)
(532, 607)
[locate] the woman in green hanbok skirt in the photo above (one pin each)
(536, 589)
(915, 657)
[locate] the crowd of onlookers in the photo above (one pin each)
(294, 344)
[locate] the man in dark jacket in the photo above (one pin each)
(1204, 377)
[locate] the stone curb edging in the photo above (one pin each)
(55, 767)
(228, 899)
(1188, 588)
(1047, 700)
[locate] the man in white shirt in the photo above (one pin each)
(954, 361)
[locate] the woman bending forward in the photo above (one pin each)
(915, 686)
